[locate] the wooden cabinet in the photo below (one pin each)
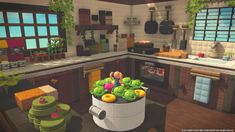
(64, 82)
(121, 65)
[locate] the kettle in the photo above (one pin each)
(214, 53)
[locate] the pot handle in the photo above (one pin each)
(97, 112)
(147, 90)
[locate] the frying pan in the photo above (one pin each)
(183, 42)
(166, 25)
(151, 26)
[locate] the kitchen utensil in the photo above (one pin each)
(95, 19)
(102, 17)
(166, 48)
(108, 18)
(151, 26)
(166, 25)
(183, 42)
(174, 41)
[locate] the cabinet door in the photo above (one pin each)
(124, 67)
(110, 67)
(64, 82)
(121, 65)
(66, 85)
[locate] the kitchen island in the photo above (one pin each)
(68, 76)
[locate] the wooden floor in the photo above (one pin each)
(185, 115)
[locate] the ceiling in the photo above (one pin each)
(134, 2)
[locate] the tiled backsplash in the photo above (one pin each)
(196, 47)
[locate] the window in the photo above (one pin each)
(215, 24)
(36, 24)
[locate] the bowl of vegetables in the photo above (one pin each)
(120, 101)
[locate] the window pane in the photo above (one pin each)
(43, 42)
(42, 31)
(1, 18)
(29, 31)
(3, 32)
(54, 30)
(15, 31)
(27, 18)
(31, 43)
(13, 17)
(41, 18)
(52, 18)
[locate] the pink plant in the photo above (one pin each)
(42, 100)
(109, 87)
(55, 115)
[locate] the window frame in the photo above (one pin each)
(218, 19)
(25, 8)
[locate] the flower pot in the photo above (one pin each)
(14, 64)
(5, 65)
(226, 58)
(22, 63)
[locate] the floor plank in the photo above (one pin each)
(185, 115)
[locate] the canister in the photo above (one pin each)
(5, 65)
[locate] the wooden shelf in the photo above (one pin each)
(109, 28)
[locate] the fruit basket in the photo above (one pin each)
(118, 103)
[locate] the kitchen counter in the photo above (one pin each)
(38, 69)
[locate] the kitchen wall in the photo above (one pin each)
(177, 14)
(120, 12)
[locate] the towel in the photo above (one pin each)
(202, 89)
(93, 77)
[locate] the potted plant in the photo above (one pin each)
(228, 56)
(40, 56)
(55, 48)
(7, 81)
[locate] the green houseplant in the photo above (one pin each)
(228, 55)
(66, 7)
(7, 81)
(55, 47)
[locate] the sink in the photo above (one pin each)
(209, 60)
(212, 60)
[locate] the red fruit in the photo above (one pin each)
(55, 115)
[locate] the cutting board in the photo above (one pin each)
(173, 54)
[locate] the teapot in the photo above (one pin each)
(214, 53)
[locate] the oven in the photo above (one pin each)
(154, 75)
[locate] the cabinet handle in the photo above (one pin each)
(54, 81)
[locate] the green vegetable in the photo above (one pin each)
(99, 83)
(9, 80)
(118, 91)
(129, 95)
(136, 84)
(108, 80)
(126, 80)
(98, 91)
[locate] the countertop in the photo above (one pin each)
(38, 69)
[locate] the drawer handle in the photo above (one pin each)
(54, 81)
